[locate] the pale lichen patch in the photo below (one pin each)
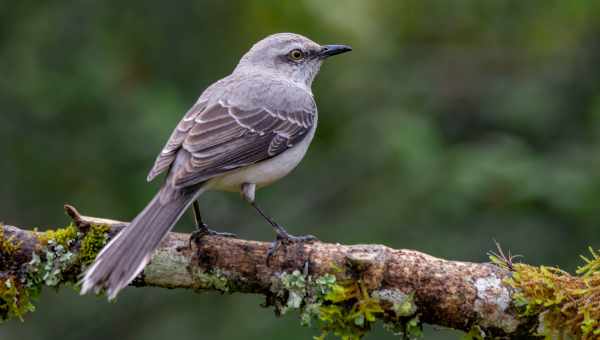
(295, 284)
(492, 303)
(216, 279)
(49, 268)
(167, 266)
(402, 304)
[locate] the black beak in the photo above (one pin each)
(331, 50)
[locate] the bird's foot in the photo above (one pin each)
(203, 230)
(284, 239)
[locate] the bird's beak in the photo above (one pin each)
(331, 50)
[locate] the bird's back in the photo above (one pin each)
(259, 112)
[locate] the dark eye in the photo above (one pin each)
(296, 55)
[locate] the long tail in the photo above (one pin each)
(126, 255)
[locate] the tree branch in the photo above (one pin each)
(346, 288)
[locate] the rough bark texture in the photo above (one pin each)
(459, 295)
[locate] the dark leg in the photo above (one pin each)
(283, 237)
(248, 191)
(201, 227)
(198, 218)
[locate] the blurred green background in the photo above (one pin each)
(452, 123)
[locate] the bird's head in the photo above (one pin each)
(289, 55)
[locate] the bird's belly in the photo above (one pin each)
(265, 172)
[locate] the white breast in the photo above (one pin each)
(266, 172)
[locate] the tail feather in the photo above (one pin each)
(126, 255)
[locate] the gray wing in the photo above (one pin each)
(169, 152)
(222, 137)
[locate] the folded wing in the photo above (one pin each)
(222, 137)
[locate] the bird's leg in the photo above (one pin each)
(283, 237)
(198, 217)
(201, 227)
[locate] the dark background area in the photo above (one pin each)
(451, 124)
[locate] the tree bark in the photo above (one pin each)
(406, 284)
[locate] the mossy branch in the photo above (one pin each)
(344, 290)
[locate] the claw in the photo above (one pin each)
(284, 239)
(203, 231)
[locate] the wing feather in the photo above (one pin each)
(222, 137)
(166, 157)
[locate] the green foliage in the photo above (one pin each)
(566, 305)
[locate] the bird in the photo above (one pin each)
(245, 131)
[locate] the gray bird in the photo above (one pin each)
(246, 131)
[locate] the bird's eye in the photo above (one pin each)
(296, 55)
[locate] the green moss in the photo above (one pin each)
(315, 290)
(566, 305)
(591, 266)
(344, 309)
(93, 241)
(348, 311)
(214, 279)
(8, 245)
(413, 328)
(56, 260)
(63, 236)
(15, 301)
(18, 293)
(475, 333)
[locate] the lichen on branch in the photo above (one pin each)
(341, 290)
(29, 262)
(566, 305)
